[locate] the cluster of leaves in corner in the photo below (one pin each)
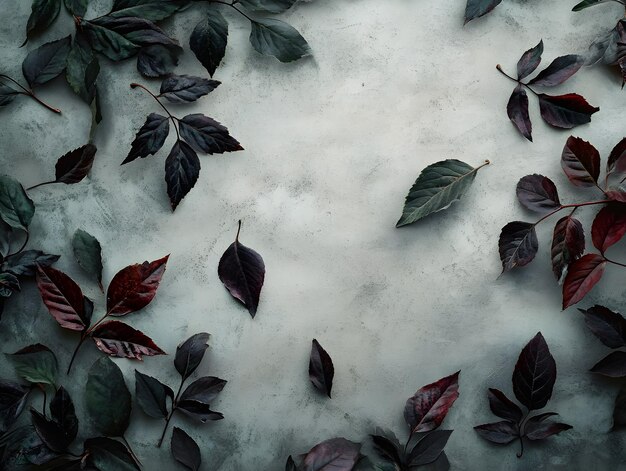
(194, 401)
(533, 381)
(16, 213)
(194, 133)
(518, 243)
(560, 111)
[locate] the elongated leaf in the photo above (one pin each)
(561, 69)
(186, 88)
(438, 186)
(617, 159)
(582, 276)
(120, 340)
(388, 448)
(267, 6)
(609, 226)
(613, 365)
(619, 412)
(189, 354)
(107, 398)
(580, 162)
(7, 94)
(134, 287)
(88, 253)
(321, 368)
(426, 409)
(107, 454)
(46, 62)
(477, 8)
(208, 40)
(242, 271)
(25, 263)
(276, 38)
(205, 134)
(529, 61)
(63, 298)
(77, 7)
(63, 413)
(6, 234)
(203, 390)
(535, 374)
(587, 3)
(499, 432)
(36, 364)
(503, 407)
(12, 400)
(568, 244)
(185, 450)
(75, 165)
(538, 193)
(151, 395)
(157, 60)
(182, 169)
(16, 208)
(565, 111)
(608, 326)
(429, 448)
(517, 111)
(154, 10)
(150, 137)
(335, 454)
(518, 244)
(542, 430)
(43, 14)
(198, 410)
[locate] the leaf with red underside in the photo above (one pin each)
(63, 298)
(503, 407)
(517, 111)
(535, 374)
(617, 159)
(582, 276)
(426, 409)
(120, 340)
(518, 244)
(609, 226)
(336, 454)
(580, 162)
(538, 193)
(134, 287)
(613, 365)
(617, 194)
(608, 326)
(568, 244)
(538, 430)
(529, 61)
(565, 111)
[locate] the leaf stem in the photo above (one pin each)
(31, 94)
(45, 399)
(40, 184)
(614, 262)
(573, 205)
(499, 67)
(130, 449)
(169, 416)
(238, 231)
(22, 247)
(173, 118)
(80, 343)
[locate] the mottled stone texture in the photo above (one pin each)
(333, 143)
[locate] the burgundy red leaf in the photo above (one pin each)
(565, 111)
(580, 162)
(568, 244)
(120, 340)
(608, 326)
(63, 298)
(518, 244)
(609, 226)
(426, 409)
(541, 430)
(535, 374)
(617, 158)
(538, 193)
(517, 111)
(582, 276)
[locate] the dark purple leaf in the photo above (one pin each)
(617, 194)
(503, 407)
(182, 168)
(185, 450)
(186, 88)
(609, 226)
(534, 374)
(580, 162)
(208, 40)
(529, 61)
(49, 432)
(321, 369)
(608, 326)
(63, 413)
(157, 60)
(203, 390)
(12, 399)
(108, 454)
(189, 354)
(517, 110)
(198, 410)
(568, 244)
(46, 62)
(617, 159)
(426, 409)
(541, 430)
(565, 111)
(151, 395)
(582, 276)
(429, 448)
(75, 165)
(478, 8)
(150, 137)
(538, 193)
(613, 365)
(25, 263)
(388, 447)
(518, 244)
(498, 432)
(205, 134)
(63, 298)
(561, 69)
(120, 340)
(242, 271)
(43, 13)
(336, 454)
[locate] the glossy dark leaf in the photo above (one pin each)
(63, 413)
(498, 432)
(120, 340)
(88, 253)
(151, 395)
(518, 244)
(477, 8)
(437, 187)
(16, 208)
(182, 169)
(426, 409)
(582, 276)
(561, 69)
(617, 159)
(12, 400)
(336, 454)
(609, 226)
(49, 432)
(542, 430)
(185, 450)
(517, 111)
(267, 6)
(25, 263)
(205, 134)
(154, 10)
(199, 411)
(107, 398)
(63, 298)
(613, 365)
(538, 193)
(134, 287)
(503, 407)
(529, 61)
(189, 354)
(388, 448)
(186, 88)
(82, 69)
(276, 38)
(565, 111)
(150, 138)
(608, 326)
(580, 162)
(568, 244)
(429, 448)
(242, 271)
(36, 364)
(321, 369)
(157, 61)
(535, 374)
(619, 412)
(203, 390)
(77, 7)
(208, 40)
(46, 62)
(107, 454)
(43, 13)
(75, 165)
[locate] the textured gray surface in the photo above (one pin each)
(333, 144)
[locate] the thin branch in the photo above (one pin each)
(499, 67)
(169, 416)
(173, 118)
(574, 205)
(41, 184)
(615, 263)
(31, 94)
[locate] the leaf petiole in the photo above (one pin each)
(573, 205)
(31, 94)
(169, 416)
(173, 118)
(499, 67)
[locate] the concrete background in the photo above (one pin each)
(333, 143)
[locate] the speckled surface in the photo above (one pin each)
(333, 143)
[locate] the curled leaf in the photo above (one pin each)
(321, 368)
(529, 61)
(88, 253)
(517, 111)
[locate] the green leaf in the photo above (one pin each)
(267, 6)
(43, 13)
(276, 38)
(588, 3)
(153, 10)
(438, 186)
(46, 62)
(151, 395)
(7, 94)
(77, 7)
(208, 40)
(16, 208)
(36, 364)
(8, 284)
(108, 399)
(82, 69)
(88, 253)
